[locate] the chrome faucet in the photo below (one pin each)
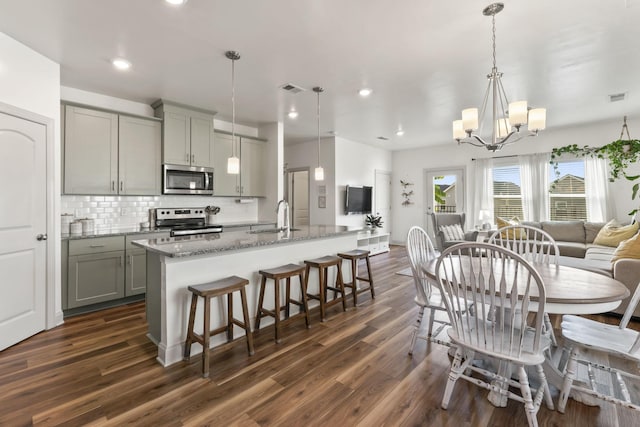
(284, 226)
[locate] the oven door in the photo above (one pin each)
(178, 179)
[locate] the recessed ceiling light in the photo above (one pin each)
(121, 64)
(176, 2)
(293, 114)
(364, 92)
(399, 132)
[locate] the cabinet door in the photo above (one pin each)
(252, 168)
(136, 273)
(176, 139)
(95, 278)
(90, 151)
(202, 142)
(139, 156)
(224, 184)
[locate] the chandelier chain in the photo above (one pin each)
(318, 92)
(233, 106)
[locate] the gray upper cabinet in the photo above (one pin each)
(187, 135)
(139, 156)
(224, 184)
(90, 151)
(107, 153)
(250, 181)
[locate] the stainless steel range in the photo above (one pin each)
(183, 221)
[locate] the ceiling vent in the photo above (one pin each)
(383, 138)
(291, 88)
(617, 97)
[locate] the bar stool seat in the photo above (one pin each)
(226, 286)
(354, 256)
(277, 274)
(323, 264)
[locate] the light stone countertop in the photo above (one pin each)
(126, 230)
(185, 246)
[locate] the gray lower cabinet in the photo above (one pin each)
(94, 278)
(135, 282)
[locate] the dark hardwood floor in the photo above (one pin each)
(100, 369)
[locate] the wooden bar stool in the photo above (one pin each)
(323, 264)
(283, 272)
(354, 256)
(226, 286)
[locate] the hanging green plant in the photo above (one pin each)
(619, 154)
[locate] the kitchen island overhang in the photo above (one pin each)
(175, 263)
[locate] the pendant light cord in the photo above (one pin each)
(318, 128)
(233, 107)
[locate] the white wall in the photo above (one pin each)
(409, 165)
(305, 155)
(356, 164)
(31, 82)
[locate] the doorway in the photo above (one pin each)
(445, 193)
(298, 196)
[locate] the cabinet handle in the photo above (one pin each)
(121, 185)
(130, 260)
(120, 260)
(193, 158)
(96, 246)
(113, 186)
(186, 157)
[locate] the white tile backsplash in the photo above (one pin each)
(115, 211)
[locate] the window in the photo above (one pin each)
(507, 195)
(567, 198)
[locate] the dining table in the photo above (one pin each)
(568, 290)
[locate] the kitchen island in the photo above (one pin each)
(175, 263)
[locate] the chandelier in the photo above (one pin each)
(505, 124)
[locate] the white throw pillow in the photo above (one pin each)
(452, 232)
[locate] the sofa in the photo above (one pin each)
(575, 241)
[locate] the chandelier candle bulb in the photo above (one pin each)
(518, 113)
(470, 119)
(537, 119)
(458, 130)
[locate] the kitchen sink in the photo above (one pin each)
(270, 230)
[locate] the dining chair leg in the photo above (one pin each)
(457, 368)
(569, 376)
(544, 383)
(416, 329)
(432, 316)
(525, 390)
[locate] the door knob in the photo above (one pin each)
(41, 237)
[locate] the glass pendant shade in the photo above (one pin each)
(470, 119)
(233, 165)
(518, 113)
(504, 127)
(537, 119)
(458, 130)
(319, 173)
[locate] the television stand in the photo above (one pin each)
(374, 242)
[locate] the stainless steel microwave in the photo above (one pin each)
(178, 179)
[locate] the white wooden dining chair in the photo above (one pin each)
(499, 283)
(604, 382)
(420, 250)
(534, 245)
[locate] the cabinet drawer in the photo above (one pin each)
(95, 245)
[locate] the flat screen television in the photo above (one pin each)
(358, 200)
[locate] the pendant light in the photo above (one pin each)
(319, 172)
(233, 162)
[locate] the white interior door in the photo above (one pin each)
(298, 197)
(22, 218)
(382, 188)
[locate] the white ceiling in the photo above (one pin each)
(425, 60)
